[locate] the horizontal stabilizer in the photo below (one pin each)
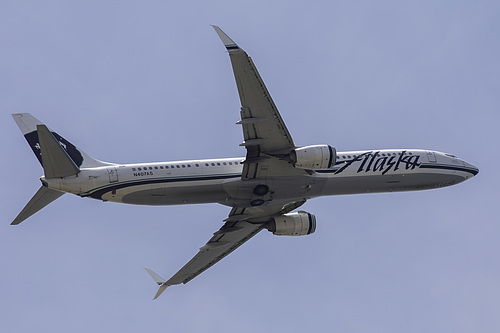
(42, 198)
(55, 160)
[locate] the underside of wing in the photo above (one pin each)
(261, 121)
(264, 131)
(241, 225)
(227, 239)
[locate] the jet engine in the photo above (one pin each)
(293, 224)
(317, 157)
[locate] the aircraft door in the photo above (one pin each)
(113, 175)
(431, 156)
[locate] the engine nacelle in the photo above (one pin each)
(293, 224)
(317, 157)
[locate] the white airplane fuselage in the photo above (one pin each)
(219, 180)
(263, 189)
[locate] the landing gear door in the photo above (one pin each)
(113, 175)
(431, 156)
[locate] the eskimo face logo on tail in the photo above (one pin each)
(72, 151)
(377, 162)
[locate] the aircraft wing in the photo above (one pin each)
(224, 241)
(264, 131)
(241, 225)
(227, 239)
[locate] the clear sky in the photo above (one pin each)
(137, 81)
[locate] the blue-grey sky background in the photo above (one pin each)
(137, 81)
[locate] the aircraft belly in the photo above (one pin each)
(169, 195)
(389, 183)
(280, 190)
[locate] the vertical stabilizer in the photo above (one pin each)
(55, 160)
(28, 126)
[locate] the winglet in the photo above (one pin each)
(228, 42)
(159, 280)
(155, 276)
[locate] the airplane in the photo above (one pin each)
(263, 188)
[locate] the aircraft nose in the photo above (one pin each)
(474, 169)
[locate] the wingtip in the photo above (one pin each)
(158, 279)
(226, 40)
(161, 290)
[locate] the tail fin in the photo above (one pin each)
(60, 158)
(29, 127)
(55, 160)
